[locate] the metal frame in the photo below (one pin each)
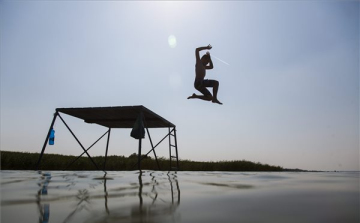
(170, 146)
(172, 133)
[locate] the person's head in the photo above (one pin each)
(205, 59)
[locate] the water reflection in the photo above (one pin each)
(157, 200)
(82, 198)
(153, 198)
(157, 209)
(106, 195)
(44, 209)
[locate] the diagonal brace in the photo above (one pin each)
(153, 149)
(46, 140)
(151, 143)
(86, 150)
(160, 141)
(152, 146)
(78, 142)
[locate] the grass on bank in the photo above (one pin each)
(28, 161)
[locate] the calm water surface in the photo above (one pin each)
(194, 197)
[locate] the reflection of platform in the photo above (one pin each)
(44, 209)
(138, 118)
(152, 207)
(141, 197)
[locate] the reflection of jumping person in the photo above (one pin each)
(200, 83)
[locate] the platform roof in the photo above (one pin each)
(117, 117)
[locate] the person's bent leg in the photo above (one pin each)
(202, 97)
(206, 95)
(215, 91)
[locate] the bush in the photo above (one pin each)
(28, 161)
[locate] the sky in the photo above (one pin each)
(288, 74)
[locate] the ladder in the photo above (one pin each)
(173, 148)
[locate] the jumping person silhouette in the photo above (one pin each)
(200, 84)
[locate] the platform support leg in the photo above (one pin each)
(46, 140)
(139, 155)
(176, 149)
(170, 148)
(107, 146)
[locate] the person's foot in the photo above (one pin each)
(215, 100)
(192, 96)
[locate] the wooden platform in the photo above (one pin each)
(138, 118)
(117, 117)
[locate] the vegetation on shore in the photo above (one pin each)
(28, 161)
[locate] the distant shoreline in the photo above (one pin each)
(27, 161)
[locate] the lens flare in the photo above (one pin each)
(172, 41)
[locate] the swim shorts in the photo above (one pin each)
(201, 86)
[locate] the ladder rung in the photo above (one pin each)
(173, 157)
(172, 145)
(172, 135)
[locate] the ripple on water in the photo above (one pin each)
(157, 196)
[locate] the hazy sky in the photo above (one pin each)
(288, 73)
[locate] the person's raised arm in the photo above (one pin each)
(211, 66)
(201, 48)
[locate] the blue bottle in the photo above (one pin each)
(52, 137)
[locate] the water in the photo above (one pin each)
(154, 196)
